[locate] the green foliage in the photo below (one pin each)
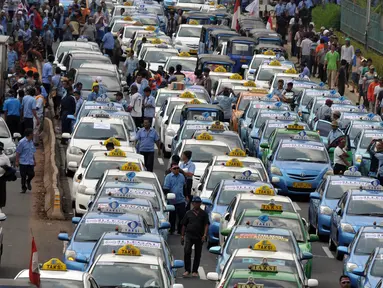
(329, 16)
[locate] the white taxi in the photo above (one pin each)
(127, 267)
(286, 77)
(92, 130)
(157, 56)
(171, 127)
(187, 38)
(266, 72)
(54, 273)
(88, 180)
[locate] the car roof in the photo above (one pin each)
(88, 56)
(236, 169)
(88, 119)
(246, 252)
(372, 229)
(93, 71)
(129, 201)
(189, 25)
(252, 196)
(233, 182)
(284, 214)
(116, 172)
(102, 148)
(115, 159)
(349, 178)
(242, 159)
(143, 259)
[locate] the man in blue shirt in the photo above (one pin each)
(147, 137)
(11, 109)
(12, 57)
(188, 170)
(25, 159)
(48, 73)
(279, 8)
(120, 99)
(149, 105)
(95, 93)
(28, 106)
(108, 42)
(174, 183)
(291, 8)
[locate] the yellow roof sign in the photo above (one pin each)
(129, 250)
(220, 69)
(127, 4)
(237, 153)
(272, 207)
(234, 163)
(205, 136)
(195, 101)
(265, 245)
(156, 41)
(220, 6)
(291, 71)
(127, 18)
(137, 23)
(184, 54)
(193, 22)
(258, 90)
(54, 265)
(112, 140)
(295, 127)
(264, 267)
(236, 76)
(275, 63)
(217, 126)
(211, 3)
(150, 28)
(249, 84)
(269, 52)
(130, 166)
(117, 153)
(187, 94)
(264, 190)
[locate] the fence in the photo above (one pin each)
(353, 23)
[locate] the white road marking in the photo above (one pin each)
(201, 272)
(296, 206)
(161, 161)
(328, 252)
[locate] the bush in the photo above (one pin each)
(329, 16)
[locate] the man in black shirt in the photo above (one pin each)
(194, 226)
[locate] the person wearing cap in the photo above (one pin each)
(11, 110)
(334, 133)
(48, 40)
(368, 78)
(347, 53)
(324, 112)
(4, 22)
(95, 92)
(336, 116)
(355, 64)
(25, 159)
(149, 105)
(108, 42)
(12, 58)
(195, 227)
(28, 108)
(174, 183)
(188, 169)
(331, 65)
(341, 163)
(78, 99)
(370, 93)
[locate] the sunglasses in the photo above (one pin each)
(345, 282)
(176, 168)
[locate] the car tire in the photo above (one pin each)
(331, 244)
(311, 229)
(322, 238)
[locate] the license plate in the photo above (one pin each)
(170, 7)
(302, 185)
(243, 61)
(192, 51)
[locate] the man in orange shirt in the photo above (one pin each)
(370, 92)
(320, 45)
(30, 67)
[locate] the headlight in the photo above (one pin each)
(347, 228)
(325, 210)
(250, 77)
(351, 266)
(81, 189)
(170, 133)
(9, 151)
(329, 172)
(216, 217)
(358, 158)
(70, 255)
(75, 151)
(275, 170)
(244, 124)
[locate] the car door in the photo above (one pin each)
(315, 203)
(337, 216)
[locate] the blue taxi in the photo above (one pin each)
(221, 197)
(148, 243)
(297, 166)
(356, 208)
(325, 198)
(357, 254)
(361, 143)
(372, 274)
(358, 114)
(355, 127)
(91, 227)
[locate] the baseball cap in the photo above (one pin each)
(348, 39)
(196, 199)
(357, 51)
(329, 101)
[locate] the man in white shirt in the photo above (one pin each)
(135, 106)
(334, 133)
(340, 158)
(347, 53)
(324, 112)
(306, 51)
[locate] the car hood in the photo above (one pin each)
(359, 260)
(187, 40)
(308, 168)
(199, 168)
(358, 221)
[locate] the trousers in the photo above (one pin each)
(27, 172)
(149, 160)
(189, 242)
(180, 212)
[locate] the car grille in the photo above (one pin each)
(302, 178)
(192, 46)
(300, 189)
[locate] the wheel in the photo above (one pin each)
(311, 229)
(331, 244)
(322, 238)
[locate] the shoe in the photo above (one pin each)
(186, 274)
(195, 274)
(29, 186)
(23, 191)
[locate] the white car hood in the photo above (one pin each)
(199, 168)
(187, 40)
(89, 183)
(189, 5)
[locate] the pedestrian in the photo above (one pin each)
(48, 73)
(278, 91)
(324, 112)
(12, 58)
(345, 281)
(334, 133)
(331, 66)
(68, 107)
(11, 109)
(78, 100)
(89, 30)
(179, 75)
(172, 24)
(135, 106)
(149, 105)
(108, 42)
(347, 53)
(117, 52)
(298, 37)
(291, 8)
(141, 82)
(279, 9)
(294, 28)
(67, 30)
(368, 78)
(59, 19)
(25, 159)
(378, 101)
(187, 169)
(174, 183)
(195, 227)
(48, 41)
(355, 64)
(200, 79)
(304, 14)
(120, 100)
(226, 102)
(57, 91)
(282, 25)
(305, 71)
(341, 77)
(341, 163)
(28, 108)
(95, 92)
(207, 82)
(130, 64)
(37, 128)
(371, 93)
(361, 72)
(146, 138)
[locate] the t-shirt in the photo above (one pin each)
(332, 59)
(360, 71)
(337, 153)
(195, 222)
(136, 104)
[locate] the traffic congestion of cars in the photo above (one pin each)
(248, 170)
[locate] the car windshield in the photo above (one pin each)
(92, 231)
(266, 74)
(204, 153)
(242, 49)
(189, 131)
(100, 131)
(281, 136)
(367, 139)
(148, 21)
(109, 82)
(88, 157)
(355, 130)
(365, 205)
(336, 188)
(76, 63)
(243, 240)
(367, 242)
(189, 31)
(377, 266)
(324, 128)
(256, 63)
(171, 106)
(271, 127)
(233, 141)
(162, 96)
(230, 191)
(88, 108)
(302, 153)
(4, 132)
(217, 176)
(125, 274)
(192, 113)
(139, 179)
(244, 101)
(269, 115)
(177, 117)
(152, 56)
(308, 96)
(146, 247)
(96, 168)
(62, 49)
(257, 204)
(267, 283)
(128, 32)
(187, 65)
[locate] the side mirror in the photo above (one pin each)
(342, 250)
(90, 191)
(312, 283)
(170, 196)
(315, 195)
(199, 187)
(306, 256)
(64, 237)
(76, 220)
(225, 232)
(72, 165)
(227, 216)
(313, 238)
(167, 122)
(212, 276)
(178, 264)
(79, 177)
(244, 66)
(65, 136)
(164, 225)
(81, 259)
(264, 145)
(90, 203)
(358, 271)
(207, 202)
(215, 250)
(16, 135)
(169, 208)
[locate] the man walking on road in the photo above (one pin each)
(11, 109)
(149, 105)
(331, 66)
(28, 106)
(188, 170)
(147, 137)
(195, 226)
(25, 159)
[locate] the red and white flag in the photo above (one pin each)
(269, 24)
(34, 271)
(237, 13)
(253, 8)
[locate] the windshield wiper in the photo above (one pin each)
(303, 159)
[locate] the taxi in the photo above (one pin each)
(172, 125)
(85, 189)
(117, 24)
(304, 97)
(357, 126)
(186, 39)
(185, 5)
(187, 62)
(360, 249)
(156, 56)
(127, 266)
(89, 229)
(89, 107)
(243, 101)
(287, 76)
(224, 193)
(325, 198)
(257, 60)
(347, 116)
(266, 72)
(231, 83)
(361, 143)
(55, 273)
(372, 273)
(356, 208)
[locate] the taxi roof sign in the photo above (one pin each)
(264, 267)
(271, 206)
(264, 190)
(193, 22)
(116, 153)
(130, 166)
(217, 126)
(220, 69)
(249, 84)
(112, 140)
(275, 63)
(150, 28)
(195, 101)
(234, 163)
(373, 185)
(295, 127)
(265, 245)
(247, 176)
(129, 250)
(269, 52)
(236, 76)
(237, 152)
(187, 95)
(204, 136)
(156, 41)
(54, 265)
(291, 71)
(129, 177)
(184, 54)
